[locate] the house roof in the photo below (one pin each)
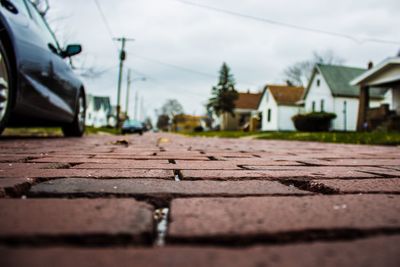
(286, 95)
(248, 101)
(372, 74)
(338, 79)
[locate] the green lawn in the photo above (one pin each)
(374, 138)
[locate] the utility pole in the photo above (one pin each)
(142, 118)
(128, 88)
(136, 104)
(122, 58)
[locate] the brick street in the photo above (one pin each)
(169, 200)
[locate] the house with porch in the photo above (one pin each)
(385, 75)
(246, 107)
(278, 105)
(329, 90)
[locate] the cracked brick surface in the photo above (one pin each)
(96, 201)
(80, 220)
(281, 217)
(381, 252)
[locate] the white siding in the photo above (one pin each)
(285, 117)
(268, 103)
(351, 112)
(334, 105)
(317, 94)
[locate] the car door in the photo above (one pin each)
(55, 106)
(31, 61)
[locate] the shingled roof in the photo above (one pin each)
(338, 79)
(248, 101)
(286, 95)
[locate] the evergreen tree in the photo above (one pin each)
(224, 94)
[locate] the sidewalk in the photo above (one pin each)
(169, 200)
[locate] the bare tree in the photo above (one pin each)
(171, 108)
(300, 72)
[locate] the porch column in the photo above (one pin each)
(363, 107)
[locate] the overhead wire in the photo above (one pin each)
(288, 25)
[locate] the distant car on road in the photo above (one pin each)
(132, 126)
(37, 85)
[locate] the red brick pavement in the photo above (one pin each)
(168, 200)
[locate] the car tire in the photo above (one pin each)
(6, 87)
(141, 133)
(77, 127)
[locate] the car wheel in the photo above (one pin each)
(141, 133)
(6, 82)
(77, 127)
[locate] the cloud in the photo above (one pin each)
(198, 39)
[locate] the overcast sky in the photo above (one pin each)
(173, 33)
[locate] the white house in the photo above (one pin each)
(278, 105)
(99, 111)
(329, 90)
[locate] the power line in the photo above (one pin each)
(287, 25)
(176, 66)
(110, 32)
(104, 18)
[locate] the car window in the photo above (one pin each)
(21, 6)
(47, 34)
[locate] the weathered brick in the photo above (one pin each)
(275, 172)
(88, 173)
(132, 164)
(380, 251)
(206, 165)
(355, 162)
(157, 188)
(81, 220)
(281, 217)
(361, 186)
(381, 171)
(14, 186)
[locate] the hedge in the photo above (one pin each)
(313, 122)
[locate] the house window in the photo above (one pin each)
(269, 115)
(318, 82)
(313, 106)
(322, 105)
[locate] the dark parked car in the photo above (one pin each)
(132, 126)
(37, 84)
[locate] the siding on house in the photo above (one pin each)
(268, 103)
(278, 106)
(330, 85)
(98, 111)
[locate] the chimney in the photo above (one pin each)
(248, 91)
(370, 65)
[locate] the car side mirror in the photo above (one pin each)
(71, 50)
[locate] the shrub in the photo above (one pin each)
(313, 122)
(198, 129)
